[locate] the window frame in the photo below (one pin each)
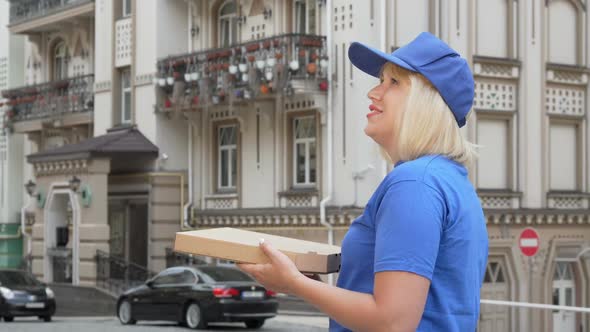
(63, 61)
(232, 23)
(126, 92)
(308, 5)
(307, 141)
(126, 8)
(232, 182)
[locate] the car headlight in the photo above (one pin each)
(49, 292)
(6, 293)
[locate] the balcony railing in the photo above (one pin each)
(24, 10)
(50, 99)
(274, 65)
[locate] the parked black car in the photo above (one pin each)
(23, 295)
(197, 296)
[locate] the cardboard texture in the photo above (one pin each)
(242, 246)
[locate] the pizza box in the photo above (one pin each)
(242, 246)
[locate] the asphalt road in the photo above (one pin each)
(111, 324)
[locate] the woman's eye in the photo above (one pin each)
(393, 81)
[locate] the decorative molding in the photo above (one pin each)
(144, 79)
(222, 114)
(565, 100)
(556, 200)
(123, 42)
(298, 198)
(221, 202)
(277, 219)
(66, 167)
(493, 95)
(496, 67)
(499, 199)
(537, 217)
(104, 86)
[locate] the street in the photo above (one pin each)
(111, 324)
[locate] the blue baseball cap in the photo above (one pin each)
(431, 57)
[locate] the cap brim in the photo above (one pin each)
(371, 60)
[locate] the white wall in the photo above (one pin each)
(11, 48)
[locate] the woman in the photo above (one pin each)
(415, 259)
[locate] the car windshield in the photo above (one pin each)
(225, 274)
(16, 278)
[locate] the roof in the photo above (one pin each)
(118, 141)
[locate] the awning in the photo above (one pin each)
(125, 146)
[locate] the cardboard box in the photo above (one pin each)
(242, 246)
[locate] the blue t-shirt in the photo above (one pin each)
(424, 218)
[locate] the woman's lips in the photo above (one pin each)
(374, 111)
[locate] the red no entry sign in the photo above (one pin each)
(528, 242)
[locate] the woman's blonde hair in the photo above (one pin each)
(428, 125)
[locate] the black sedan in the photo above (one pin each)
(23, 295)
(197, 296)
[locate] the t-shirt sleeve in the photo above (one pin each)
(409, 223)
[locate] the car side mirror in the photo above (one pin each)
(150, 283)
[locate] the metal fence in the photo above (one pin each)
(180, 259)
(115, 275)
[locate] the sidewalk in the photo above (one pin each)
(315, 321)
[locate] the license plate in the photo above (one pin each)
(35, 305)
(252, 295)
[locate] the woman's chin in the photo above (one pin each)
(370, 131)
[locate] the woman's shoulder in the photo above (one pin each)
(421, 169)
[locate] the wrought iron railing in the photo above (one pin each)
(180, 259)
(115, 275)
(50, 99)
(242, 71)
(23, 10)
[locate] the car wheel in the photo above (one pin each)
(47, 318)
(124, 313)
(193, 317)
(8, 318)
(254, 323)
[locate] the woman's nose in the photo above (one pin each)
(375, 93)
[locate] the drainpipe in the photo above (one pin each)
(189, 202)
(330, 147)
(23, 228)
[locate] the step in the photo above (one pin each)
(82, 301)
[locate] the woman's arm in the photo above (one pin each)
(397, 304)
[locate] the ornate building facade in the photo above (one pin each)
(247, 113)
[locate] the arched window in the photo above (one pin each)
(60, 61)
(228, 24)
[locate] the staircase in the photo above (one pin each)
(114, 275)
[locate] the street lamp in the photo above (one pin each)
(74, 183)
(31, 188)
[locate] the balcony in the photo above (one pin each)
(61, 100)
(285, 64)
(33, 16)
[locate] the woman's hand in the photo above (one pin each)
(279, 275)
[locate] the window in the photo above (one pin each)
(222, 274)
(126, 96)
(126, 8)
(174, 277)
(60, 61)
(304, 151)
(228, 24)
(227, 157)
(304, 11)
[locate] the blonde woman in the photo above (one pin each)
(415, 259)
